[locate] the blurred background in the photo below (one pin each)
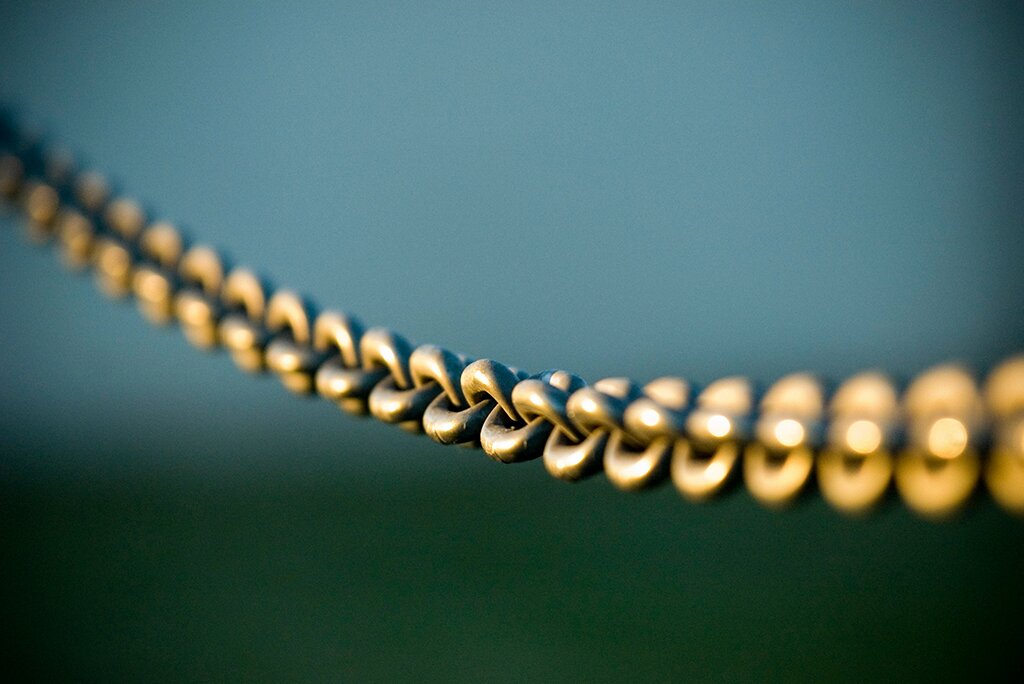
(638, 189)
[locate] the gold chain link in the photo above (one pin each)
(935, 441)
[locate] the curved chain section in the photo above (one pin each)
(932, 444)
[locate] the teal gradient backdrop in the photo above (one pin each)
(632, 189)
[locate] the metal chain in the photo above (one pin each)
(935, 440)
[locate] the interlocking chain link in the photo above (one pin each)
(933, 441)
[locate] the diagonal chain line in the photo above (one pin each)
(933, 441)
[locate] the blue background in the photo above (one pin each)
(631, 189)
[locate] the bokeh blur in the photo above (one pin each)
(635, 189)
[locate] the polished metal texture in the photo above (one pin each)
(290, 352)
(855, 468)
(939, 467)
(778, 463)
(197, 303)
(703, 464)
(504, 435)
(584, 422)
(638, 456)
(341, 378)
(451, 418)
(932, 444)
(395, 398)
(241, 329)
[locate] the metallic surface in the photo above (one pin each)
(935, 441)
(595, 412)
(341, 378)
(242, 330)
(395, 399)
(715, 430)
(855, 469)
(153, 282)
(631, 468)
(197, 304)
(939, 468)
(290, 353)
(778, 464)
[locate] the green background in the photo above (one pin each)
(480, 572)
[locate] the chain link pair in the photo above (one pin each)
(935, 441)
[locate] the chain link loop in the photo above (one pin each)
(241, 330)
(452, 418)
(935, 442)
(855, 468)
(395, 399)
(638, 456)
(341, 378)
(153, 282)
(778, 463)
(197, 304)
(939, 468)
(290, 353)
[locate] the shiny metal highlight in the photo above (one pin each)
(243, 298)
(855, 469)
(660, 411)
(395, 399)
(341, 378)
(584, 422)
(197, 304)
(938, 470)
(638, 456)
(505, 436)
(546, 397)
(632, 469)
(701, 474)
(778, 465)
(154, 282)
(703, 464)
(944, 432)
(290, 353)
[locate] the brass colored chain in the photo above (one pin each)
(935, 440)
